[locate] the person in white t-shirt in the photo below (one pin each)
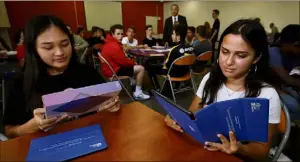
(130, 41)
(241, 70)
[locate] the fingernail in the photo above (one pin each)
(174, 122)
(218, 135)
(206, 143)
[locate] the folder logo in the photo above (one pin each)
(255, 106)
(191, 128)
(95, 145)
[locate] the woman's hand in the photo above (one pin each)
(171, 123)
(113, 105)
(46, 124)
(228, 147)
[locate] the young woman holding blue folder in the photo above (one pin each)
(50, 66)
(241, 70)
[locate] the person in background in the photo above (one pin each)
(170, 23)
(208, 29)
(190, 36)
(257, 20)
(181, 49)
(80, 31)
(19, 38)
(113, 52)
(215, 30)
(80, 43)
(3, 46)
(51, 66)
(97, 37)
(149, 41)
(201, 44)
(103, 34)
(240, 71)
(274, 33)
(130, 42)
(283, 60)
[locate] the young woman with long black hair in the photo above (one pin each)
(50, 66)
(241, 70)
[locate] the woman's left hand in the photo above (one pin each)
(112, 106)
(229, 147)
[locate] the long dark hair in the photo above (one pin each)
(254, 34)
(34, 67)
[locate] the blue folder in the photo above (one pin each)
(246, 117)
(67, 145)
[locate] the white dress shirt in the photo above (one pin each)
(174, 18)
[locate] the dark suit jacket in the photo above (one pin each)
(168, 29)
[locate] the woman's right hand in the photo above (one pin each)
(43, 123)
(171, 123)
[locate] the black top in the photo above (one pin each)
(95, 40)
(216, 26)
(75, 77)
(177, 51)
(149, 42)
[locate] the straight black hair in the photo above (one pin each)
(115, 27)
(192, 29)
(148, 26)
(95, 29)
(35, 67)
(180, 30)
(254, 34)
(216, 11)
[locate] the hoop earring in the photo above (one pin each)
(217, 61)
(255, 69)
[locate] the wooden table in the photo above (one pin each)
(135, 133)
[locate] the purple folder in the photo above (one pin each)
(79, 101)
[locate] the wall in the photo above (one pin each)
(20, 12)
(134, 13)
(197, 12)
(3, 15)
(102, 14)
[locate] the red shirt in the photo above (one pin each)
(114, 54)
(20, 52)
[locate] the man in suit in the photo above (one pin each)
(171, 22)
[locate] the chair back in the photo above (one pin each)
(206, 56)
(104, 61)
(284, 127)
(83, 55)
(187, 60)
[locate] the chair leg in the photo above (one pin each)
(162, 87)
(193, 83)
(172, 89)
(123, 86)
(128, 93)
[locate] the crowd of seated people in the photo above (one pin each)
(241, 69)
